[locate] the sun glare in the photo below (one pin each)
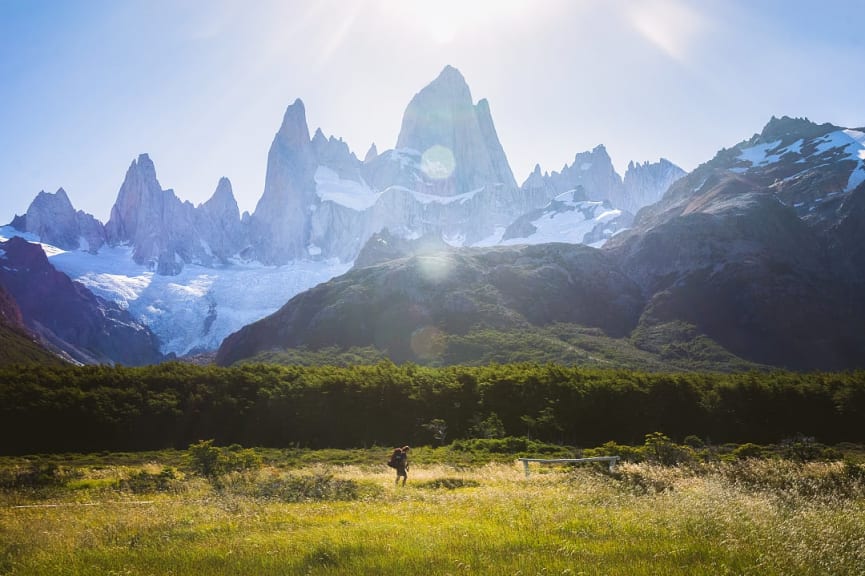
(446, 20)
(671, 25)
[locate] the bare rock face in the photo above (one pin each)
(52, 217)
(457, 139)
(55, 221)
(218, 223)
(592, 171)
(67, 316)
(448, 176)
(646, 183)
(165, 232)
(279, 227)
(335, 154)
(371, 154)
(91, 230)
(150, 219)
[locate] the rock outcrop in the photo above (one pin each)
(279, 227)
(218, 224)
(645, 184)
(53, 218)
(167, 233)
(456, 139)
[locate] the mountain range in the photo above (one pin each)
(754, 259)
(194, 274)
(430, 252)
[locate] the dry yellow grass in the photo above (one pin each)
(645, 520)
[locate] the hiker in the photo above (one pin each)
(399, 460)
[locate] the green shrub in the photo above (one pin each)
(144, 482)
(660, 449)
(626, 453)
(694, 442)
(449, 483)
(489, 427)
(515, 445)
(748, 450)
(211, 461)
(34, 475)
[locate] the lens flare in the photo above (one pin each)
(434, 267)
(438, 162)
(428, 342)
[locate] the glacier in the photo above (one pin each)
(196, 309)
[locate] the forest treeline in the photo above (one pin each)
(93, 408)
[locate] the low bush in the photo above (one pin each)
(212, 461)
(36, 475)
(144, 482)
(517, 446)
(272, 484)
(449, 483)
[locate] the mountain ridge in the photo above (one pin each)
(743, 260)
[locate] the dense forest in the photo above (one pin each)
(93, 408)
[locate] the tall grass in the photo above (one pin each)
(751, 517)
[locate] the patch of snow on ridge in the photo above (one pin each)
(758, 155)
(570, 226)
(842, 139)
(331, 188)
(853, 142)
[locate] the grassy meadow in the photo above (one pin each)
(153, 514)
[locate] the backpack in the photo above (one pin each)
(396, 459)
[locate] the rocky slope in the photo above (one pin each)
(401, 306)
(52, 218)
(66, 316)
(644, 184)
(756, 248)
(17, 344)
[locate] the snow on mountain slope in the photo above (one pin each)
(844, 144)
(567, 218)
(331, 188)
(199, 307)
(359, 197)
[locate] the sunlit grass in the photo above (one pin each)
(484, 520)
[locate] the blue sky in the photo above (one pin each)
(201, 85)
